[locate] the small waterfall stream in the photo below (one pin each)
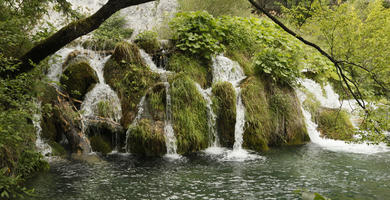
(226, 70)
(41, 145)
(211, 116)
(331, 100)
(170, 138)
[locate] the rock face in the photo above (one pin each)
(225, 108)
(78, 78)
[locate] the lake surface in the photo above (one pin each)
(276, 174)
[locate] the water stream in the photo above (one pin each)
(331, 100)
(226, 70)
(41, 145)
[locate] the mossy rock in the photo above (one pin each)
(189, 115)
(78, 79)
(57, 149)
(156, 101)
(111, 132)
(198, 69)
(126, 73)
(148, 41)
(288, 123)
(224, 103)
(98, 144)
(335, 124)
(125, 52)
(147, 139)
(273, 115)
(258, 117)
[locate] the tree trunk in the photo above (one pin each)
(69, 33)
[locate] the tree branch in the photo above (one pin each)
(69, 33)
(357, 96)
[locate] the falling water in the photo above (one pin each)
(41, 145)
(226, 70)
(211, 117)
(170, 138)
(331, 100)
(102, 92)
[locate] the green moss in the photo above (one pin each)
(287, 119)
(157, 101)
(127, 53)
(78, 79)
(196, 68)
(148, 41)
(189, 115)
(98, 144)
(147, 139)
(258, 116)
(129, 77)
(105, 109)
(312, 105)
(335, 124)
(243, 59)
(224, 102)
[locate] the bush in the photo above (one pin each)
(280, 65)
(197, 33)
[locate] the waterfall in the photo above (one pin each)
(102, 92)
(170, 138)
(41, 145)
(226, 70)
(330, 99)
(140, 111)
(211, 117)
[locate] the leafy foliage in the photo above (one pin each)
(197, 33)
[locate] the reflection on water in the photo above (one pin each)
(207, 176)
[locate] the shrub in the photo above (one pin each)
(217, 7)
(197, 33)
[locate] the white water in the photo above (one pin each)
(41, 145)
(226, 70)
(56, 63)
(211, 117)
(170, 138)
(331, 101)
(102, 92)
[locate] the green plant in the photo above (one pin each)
(148, 41)
(280, 65)
(197, 33)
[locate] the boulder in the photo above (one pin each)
(78, 79)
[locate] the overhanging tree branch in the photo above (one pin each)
(69, 33)
(356, 95)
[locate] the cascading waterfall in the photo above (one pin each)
(101, 93)
(140, 111)
(330, 99)
(226, 70)
(170, 138)
(211, 117)
(41, 145)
